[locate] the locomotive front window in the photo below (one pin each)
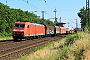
(19, 25)
(16, 26)
(22, 25)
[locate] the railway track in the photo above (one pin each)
(11, 50)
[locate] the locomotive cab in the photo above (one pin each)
(19, 30)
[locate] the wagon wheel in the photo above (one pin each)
(31, 38)
(15, 39)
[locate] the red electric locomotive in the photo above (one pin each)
(27, 30)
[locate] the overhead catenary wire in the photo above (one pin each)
(27, 1)
(74, 22)
(34, 6)
(48, 5)
(30, 4)
(45, 1)
(49, 8)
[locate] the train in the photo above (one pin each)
(27, 30)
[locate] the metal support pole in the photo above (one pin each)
(76, 23)
(6, 2)
(87, 11)
(43, 16)
(60, 21)
(55, 17)
(68, 24)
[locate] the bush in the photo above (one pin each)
(70, 38)
(3, 35)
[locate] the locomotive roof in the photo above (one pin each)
(20, 22)
(37, 24)
(31, 23)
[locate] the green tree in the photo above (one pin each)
(84, 19)
(8, 16)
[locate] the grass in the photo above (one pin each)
(71, 38)
(6, 38)
(24, 57)
(73, 47)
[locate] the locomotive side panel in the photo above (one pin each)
(40, 30)
(35, 30)
(30, 31)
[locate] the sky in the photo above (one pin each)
(66, 9)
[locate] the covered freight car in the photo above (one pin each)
(69, 30)
(62, 30)
(57, 30)
(27, 30)
(49, 30)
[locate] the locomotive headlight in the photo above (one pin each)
(21, 30)
(14, 30)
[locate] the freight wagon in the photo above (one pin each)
(62, 30)
(70, 31)
(49, 30)
(57, 30)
